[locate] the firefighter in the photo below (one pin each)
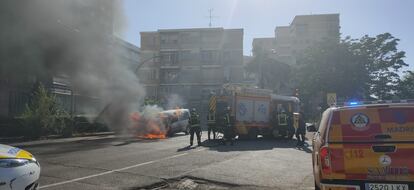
(229, 134)
(301, 131)
(282, 121)
(274, 120)
(211, 123)
(195, 127)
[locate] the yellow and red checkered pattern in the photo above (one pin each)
(212, 104)
(351, 146)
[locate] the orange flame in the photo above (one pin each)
(147, 128)
(152, 136)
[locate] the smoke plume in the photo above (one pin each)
(174, 101)
(44, 38)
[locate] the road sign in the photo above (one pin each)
(331, 98)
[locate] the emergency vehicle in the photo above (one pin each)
(18, 169)
(252, 110)
(369, 146)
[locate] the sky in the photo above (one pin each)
(259, 18)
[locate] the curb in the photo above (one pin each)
(89, 136)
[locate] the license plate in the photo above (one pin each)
(383, 186)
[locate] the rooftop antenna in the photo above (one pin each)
(211, 17)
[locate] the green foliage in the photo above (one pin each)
(329, 67)
(151, 101)
(405, 89)
(383, 61)
(272, 74)
(332, 67)
(366, 68)
(43, 116)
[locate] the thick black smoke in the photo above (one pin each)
(44, 38)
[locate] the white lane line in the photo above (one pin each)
(111, 171)
(199, 150)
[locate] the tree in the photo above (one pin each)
(405, 89)
(42, 115)
(330, 67)
(272, 74)
(365, 68)
(383, 61)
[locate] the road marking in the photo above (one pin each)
(111, 171)
(199, 150)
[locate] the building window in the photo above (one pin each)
(169, 38)
(149, 75)
(189, 37)
(185, 55)
(232, 57)
(209, 56)
(169, 58)
(212, 75)
(170, 77)
(190, 75)
(301, 29)
(154, 74)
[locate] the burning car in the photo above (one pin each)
(18, 169)
(158, 125)
(175, 121)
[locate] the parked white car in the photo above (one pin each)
(18, 169)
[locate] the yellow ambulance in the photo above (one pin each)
(365, 147)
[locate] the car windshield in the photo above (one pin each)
(206, 94)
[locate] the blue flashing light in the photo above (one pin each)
(353, 103)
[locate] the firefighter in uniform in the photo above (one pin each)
(211, 123)
(274, 120)
(229, 134)
(195, 127)
(301, 131)
(282, 120)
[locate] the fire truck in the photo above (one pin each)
(253, 112)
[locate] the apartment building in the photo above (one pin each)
(190, 63)
(303, 32)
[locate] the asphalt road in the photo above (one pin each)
(110, 162)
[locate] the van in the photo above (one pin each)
(365, 147)
(176, 120)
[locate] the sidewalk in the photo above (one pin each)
(18, 142)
